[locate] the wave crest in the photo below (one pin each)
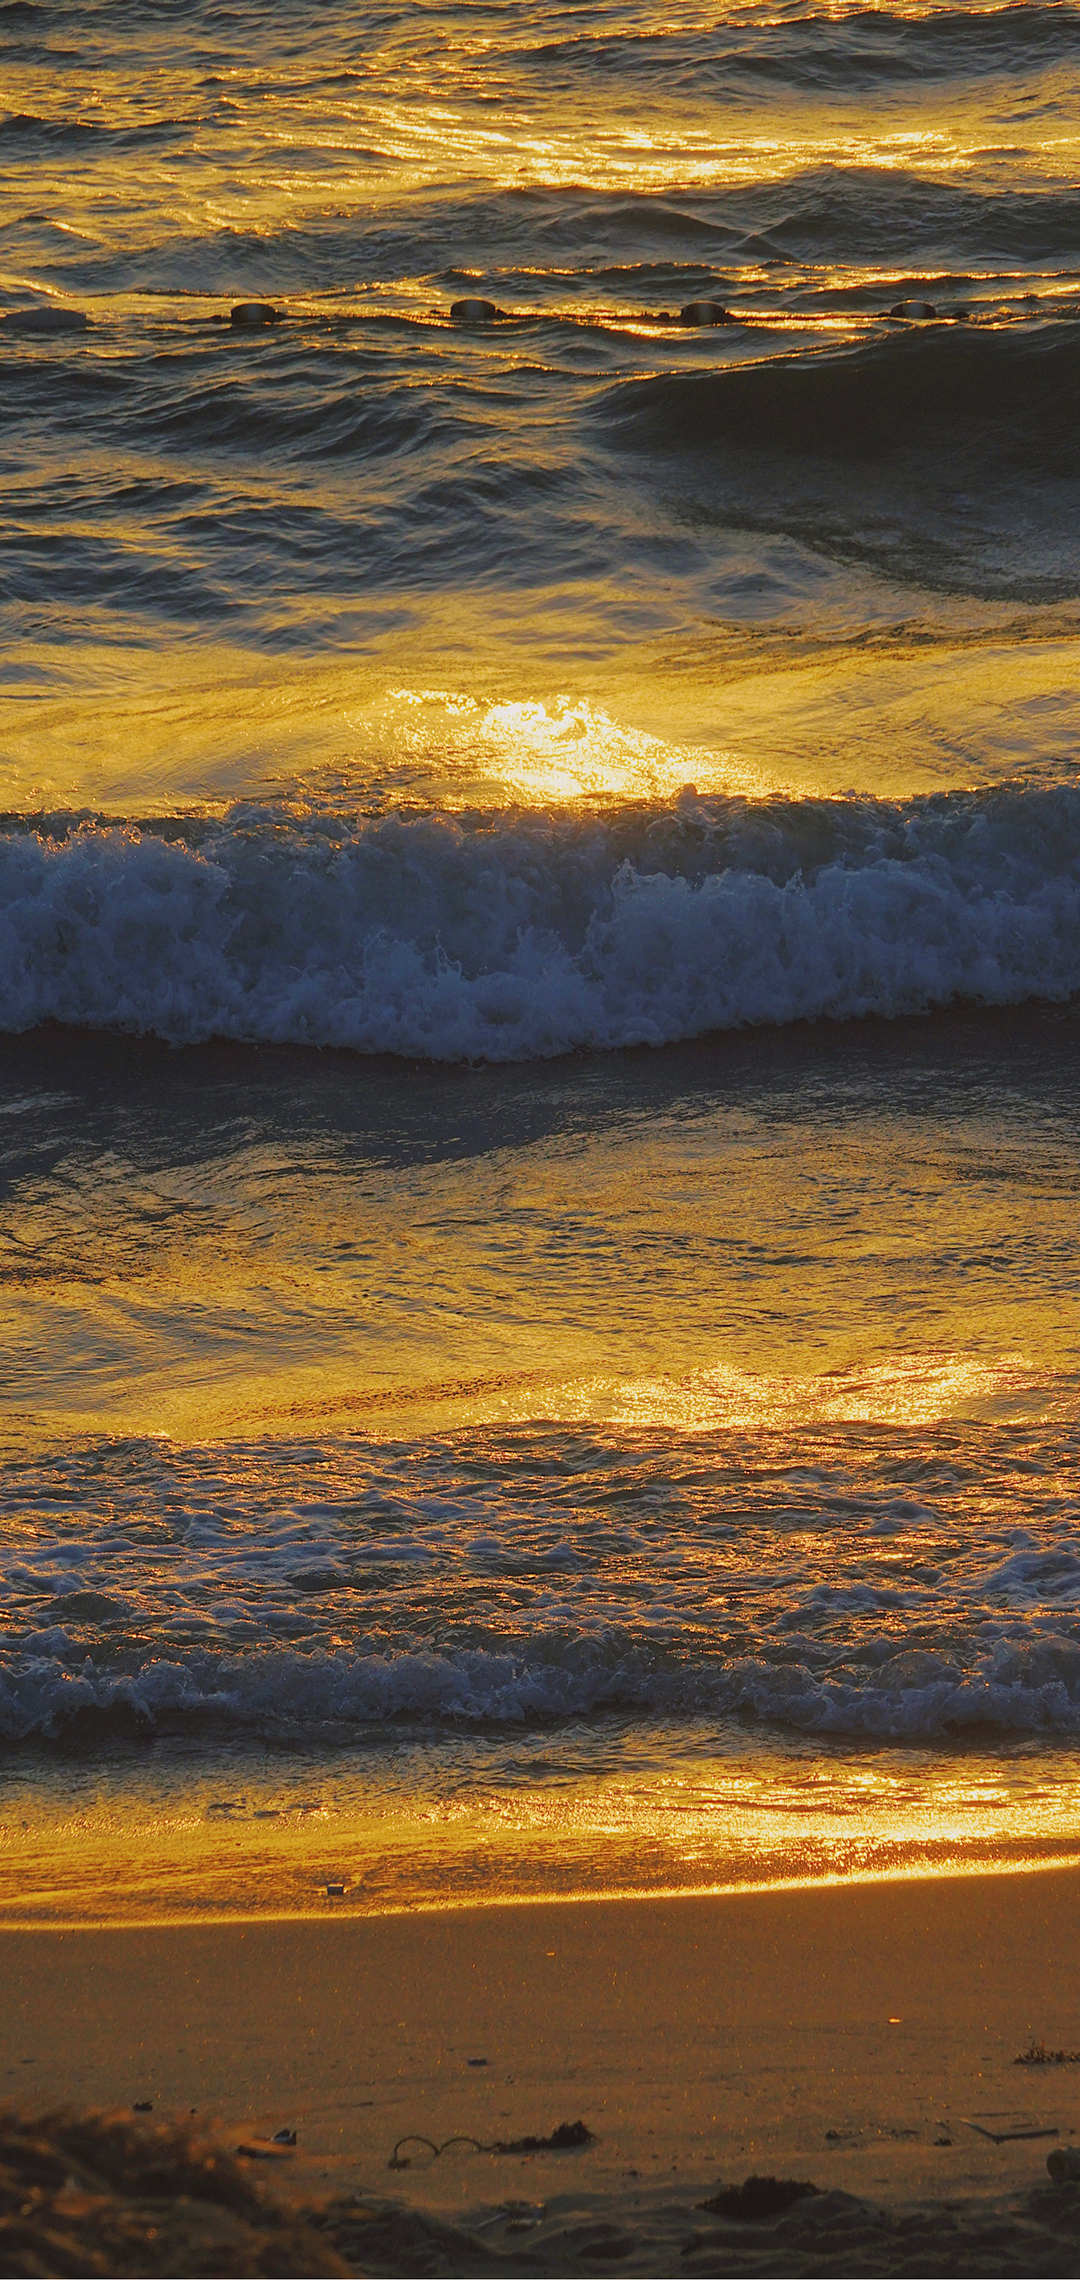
(1015, 1687)
(904, 390)
(529, 934)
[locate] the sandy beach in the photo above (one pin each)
(849, 2036)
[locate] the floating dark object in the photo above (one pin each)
(336, 1891)
(759, 2198)
(249, 315)
(913, 309)
(706, 313)
(474, 312)
(1064, 2164)
(143, 2106)
(1037, 2055)
(46, 320)
(283, 2137)
(476, 2062)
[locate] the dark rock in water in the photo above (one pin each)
(248, 315)
(758, 2198)
(47, 320)
(706, 313)
(913, 309)
(474, 312)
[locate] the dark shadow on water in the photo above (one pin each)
(61, 1087)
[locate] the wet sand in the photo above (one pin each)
(846, 2034)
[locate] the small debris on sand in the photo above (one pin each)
(1012, 2134)
(565, 2139)
(1037, 2055)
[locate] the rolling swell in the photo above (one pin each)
(904, 391)
(519, 935)
(864, 49)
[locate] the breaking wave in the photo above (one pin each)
(903, 391)
(525, 934)
(1016, 1686)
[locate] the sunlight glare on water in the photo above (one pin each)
(539, 921)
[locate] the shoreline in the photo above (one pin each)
(333, 1911)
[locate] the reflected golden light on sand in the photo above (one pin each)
(719, 1827)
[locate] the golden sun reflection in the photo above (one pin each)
(566, 750)
(916, 1389)
(715, 1826)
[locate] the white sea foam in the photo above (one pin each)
(511, 937)
(1025, 1686)
(479, 1580)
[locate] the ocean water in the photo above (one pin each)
(539, 950)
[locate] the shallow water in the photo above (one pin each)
(539, 921)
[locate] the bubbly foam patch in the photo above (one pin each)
(1017, 1687)
(848, 1580)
